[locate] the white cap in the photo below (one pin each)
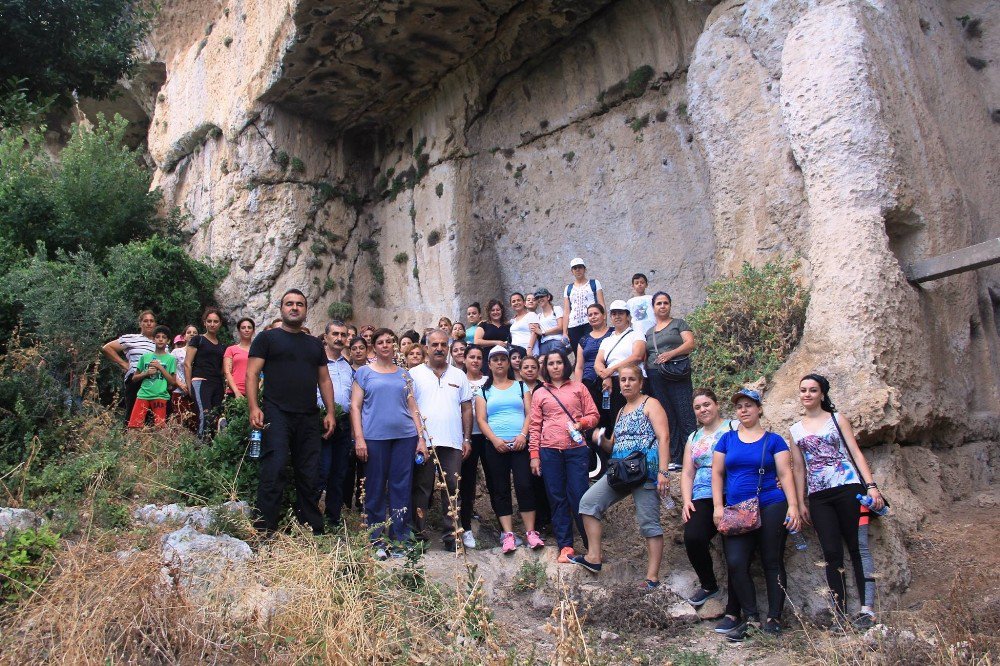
(499, 349)
(618, 305)
(577, 261)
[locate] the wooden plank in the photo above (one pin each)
(967, 259)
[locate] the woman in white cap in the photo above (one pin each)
(576, 297)
(502, 409)
(625, 346)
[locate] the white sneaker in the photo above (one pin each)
(469, 539)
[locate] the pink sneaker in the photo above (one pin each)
(534, 540)
(507, 544)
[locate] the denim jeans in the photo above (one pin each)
(565, 474)
(334, 458)
(389, 481)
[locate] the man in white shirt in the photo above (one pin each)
(444, 400)
(641, 305)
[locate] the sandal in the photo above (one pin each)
(649, 585)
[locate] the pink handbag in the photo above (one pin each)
(744, 516)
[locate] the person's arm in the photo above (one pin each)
(867, 478)
(535, 436)
(718, 485)
(411, 402)
(189, 363)
(466, 429)
(600, 299)
(484, 425)
(558, 328)
(783, 461)
(687, 482)
(591, 417)
(565, 320)
(114, 351)
(521, 440)
(169, 376)
(637, 356)
(254, 366)
(578, 367)
(686, 347)
(532, 339)
(600, 367)
(227, 373)
(360, 447)
(326, 391)
(481, 340)
(799, 472)
(658, 419)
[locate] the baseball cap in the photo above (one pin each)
(618, 305)
(499, 349)
(542, 291)
(746, 393)
(178, 339)
(577, 261)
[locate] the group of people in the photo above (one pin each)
(542, 401)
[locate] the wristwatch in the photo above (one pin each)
(665, 473)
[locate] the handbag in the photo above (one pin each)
(744, 516)
(626, 474)
(857, 469)
(674, 370)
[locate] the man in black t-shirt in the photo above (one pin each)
(294, 363)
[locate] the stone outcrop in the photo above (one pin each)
(408, 157)
(18, 520)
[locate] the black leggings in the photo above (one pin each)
(698, 534)
(499, 469)
(467, 484)
(769, 539)
(208, 398)
(839, 518)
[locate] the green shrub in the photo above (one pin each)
(25, 559)
(340, 310)
(401, 258)
(531, 576)
(433, 238)
(747, 327)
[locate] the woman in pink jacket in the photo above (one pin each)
(561, 409)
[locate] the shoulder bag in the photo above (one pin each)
(857, 469)
(626, 474)
(676, 369)
(745, 516)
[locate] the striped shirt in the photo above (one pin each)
(135, 345)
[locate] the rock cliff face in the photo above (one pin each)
(409, 157)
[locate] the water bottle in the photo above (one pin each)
(869, 501)
(574, 434)
(419, 459)
(667, 502)
(255, 438)
(798, 540)
(606, 399)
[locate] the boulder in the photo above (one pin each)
(17, 519)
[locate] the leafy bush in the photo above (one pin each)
(25, 559)
(340, 310)
(96, 196)
(747, 326)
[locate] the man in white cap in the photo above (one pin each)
(577, 297)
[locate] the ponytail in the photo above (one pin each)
(824, 386)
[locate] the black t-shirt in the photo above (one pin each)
(290, 375)
(494, 332)
(207, 362)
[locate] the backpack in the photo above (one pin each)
(593, 288)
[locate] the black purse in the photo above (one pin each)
(871, 514)
(626, 474)
(674, 370)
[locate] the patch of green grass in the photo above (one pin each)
(281, 158)
(25, 559)
(401, 258)
(686, 657)
(640, 123)
(634, 85)
(368, 245)
(569, 156)
(340, 310)
(298, 166)
(433, 238)
(531, 576)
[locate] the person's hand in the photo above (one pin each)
(520, 442)
(687, 510)
(361, 449)
(421, 449)
(603, 374)
(717, 515)
(793, 521)
(182, 386)
(256, 418)
(536, 466)
(499, 445)
(663, 357)
(535, 328)
(329, 422)
(877, 496)
(156, 365)
(804, 515)
(466, 449)
(662, 485)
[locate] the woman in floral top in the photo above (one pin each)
(696, 493)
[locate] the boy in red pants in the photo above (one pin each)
(156, 372)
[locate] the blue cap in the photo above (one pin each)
(746, 393)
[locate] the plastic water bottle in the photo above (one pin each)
(419, 459)
(606, 399)
(574, 434)
(255, 438)
(667, 502)
(798, 540)
(869, 501)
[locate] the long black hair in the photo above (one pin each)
(824, 386)
(567, 370)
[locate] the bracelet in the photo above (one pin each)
(665, 473)
(872, 485)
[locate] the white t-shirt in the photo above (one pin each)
(580, 297)
(476, 390)
(641, 308)
(551, 321)
(180, 353)
(617, 347)
(520, 330)
(440, 403)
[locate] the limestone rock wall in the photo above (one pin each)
(409, 157)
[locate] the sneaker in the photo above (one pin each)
(469, 539)
(222, 424)
(701, 596)
(863, 621)
(727, 624)
(772, 627)
(673, 467)
(518, 541)
(507, 544)
(534, 540)
(566, 555)
(741, 631)
(649, 585)
(381, 554)
(582, 561)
